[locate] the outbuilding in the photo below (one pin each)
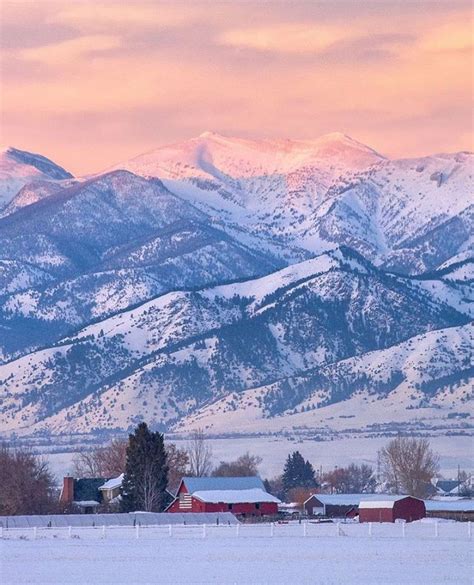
(451, 508)
(405, 508)
(243, 496)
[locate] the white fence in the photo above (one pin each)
(425, 530)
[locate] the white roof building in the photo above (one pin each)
(251, 496)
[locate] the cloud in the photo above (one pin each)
(94, 17)
(451, 36)
(135, 75)
(71, 51)
(284, 38)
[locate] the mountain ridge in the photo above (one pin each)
(239, 272)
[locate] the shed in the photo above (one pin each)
(336, 505)
(405, 508)
(451, 508)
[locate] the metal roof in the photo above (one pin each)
(451, 506)
(195, 484)
(375, 504)
(252, 496)
(447, 485)
(352, 499)
(141, 518)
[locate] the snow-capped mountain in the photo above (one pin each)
(410, 215)
(18, 168)
(226, 283)
(179, 351)
(101, 246)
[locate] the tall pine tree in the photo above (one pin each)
(146, 472)
(297, 473)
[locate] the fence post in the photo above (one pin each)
(304, 529)
(103, 531)
(1, 532)
(338, 531)
(237, 530)
(271, 529)
(204, 531)
(469, 529)
(35, 532)
(403, 529)
(370, 528)
(170, 530)
(436, 529)
(69, 532)
(137, 530)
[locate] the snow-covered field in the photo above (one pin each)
(453, 451)
(251, 556)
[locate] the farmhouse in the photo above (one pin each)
(87, 494)
(82, 493)
(405, 508)
(243, 496)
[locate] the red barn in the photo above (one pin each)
(405, 508)
(244, 496)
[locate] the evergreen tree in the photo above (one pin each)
(297, 473)
(146, 472)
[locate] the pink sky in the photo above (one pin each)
(90, 84)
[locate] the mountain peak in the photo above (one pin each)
(341, 141)
(209, 134)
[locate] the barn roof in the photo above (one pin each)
(371, 504)
(195, 484)
(251, 496)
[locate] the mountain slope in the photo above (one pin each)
(174, 353)
(104, 245)
(424, 383)
(220, 277)
(18, 167)
(411, 214)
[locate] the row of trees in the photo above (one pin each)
(151, 466)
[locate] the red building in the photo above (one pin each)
(244, 496)
(405, 508)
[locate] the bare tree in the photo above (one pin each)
(178, 464)
(408, 465)
(246, 465)
(26, 484)
(353, 479)
(108, 461)
(200, 455)
(465, 488)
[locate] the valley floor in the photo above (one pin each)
(253, 558)
(453, 451)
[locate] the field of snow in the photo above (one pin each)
(253, 554)
(453, 451)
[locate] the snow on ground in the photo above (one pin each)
(453, 451)
(252, 558)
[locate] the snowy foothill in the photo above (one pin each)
(350, 553)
